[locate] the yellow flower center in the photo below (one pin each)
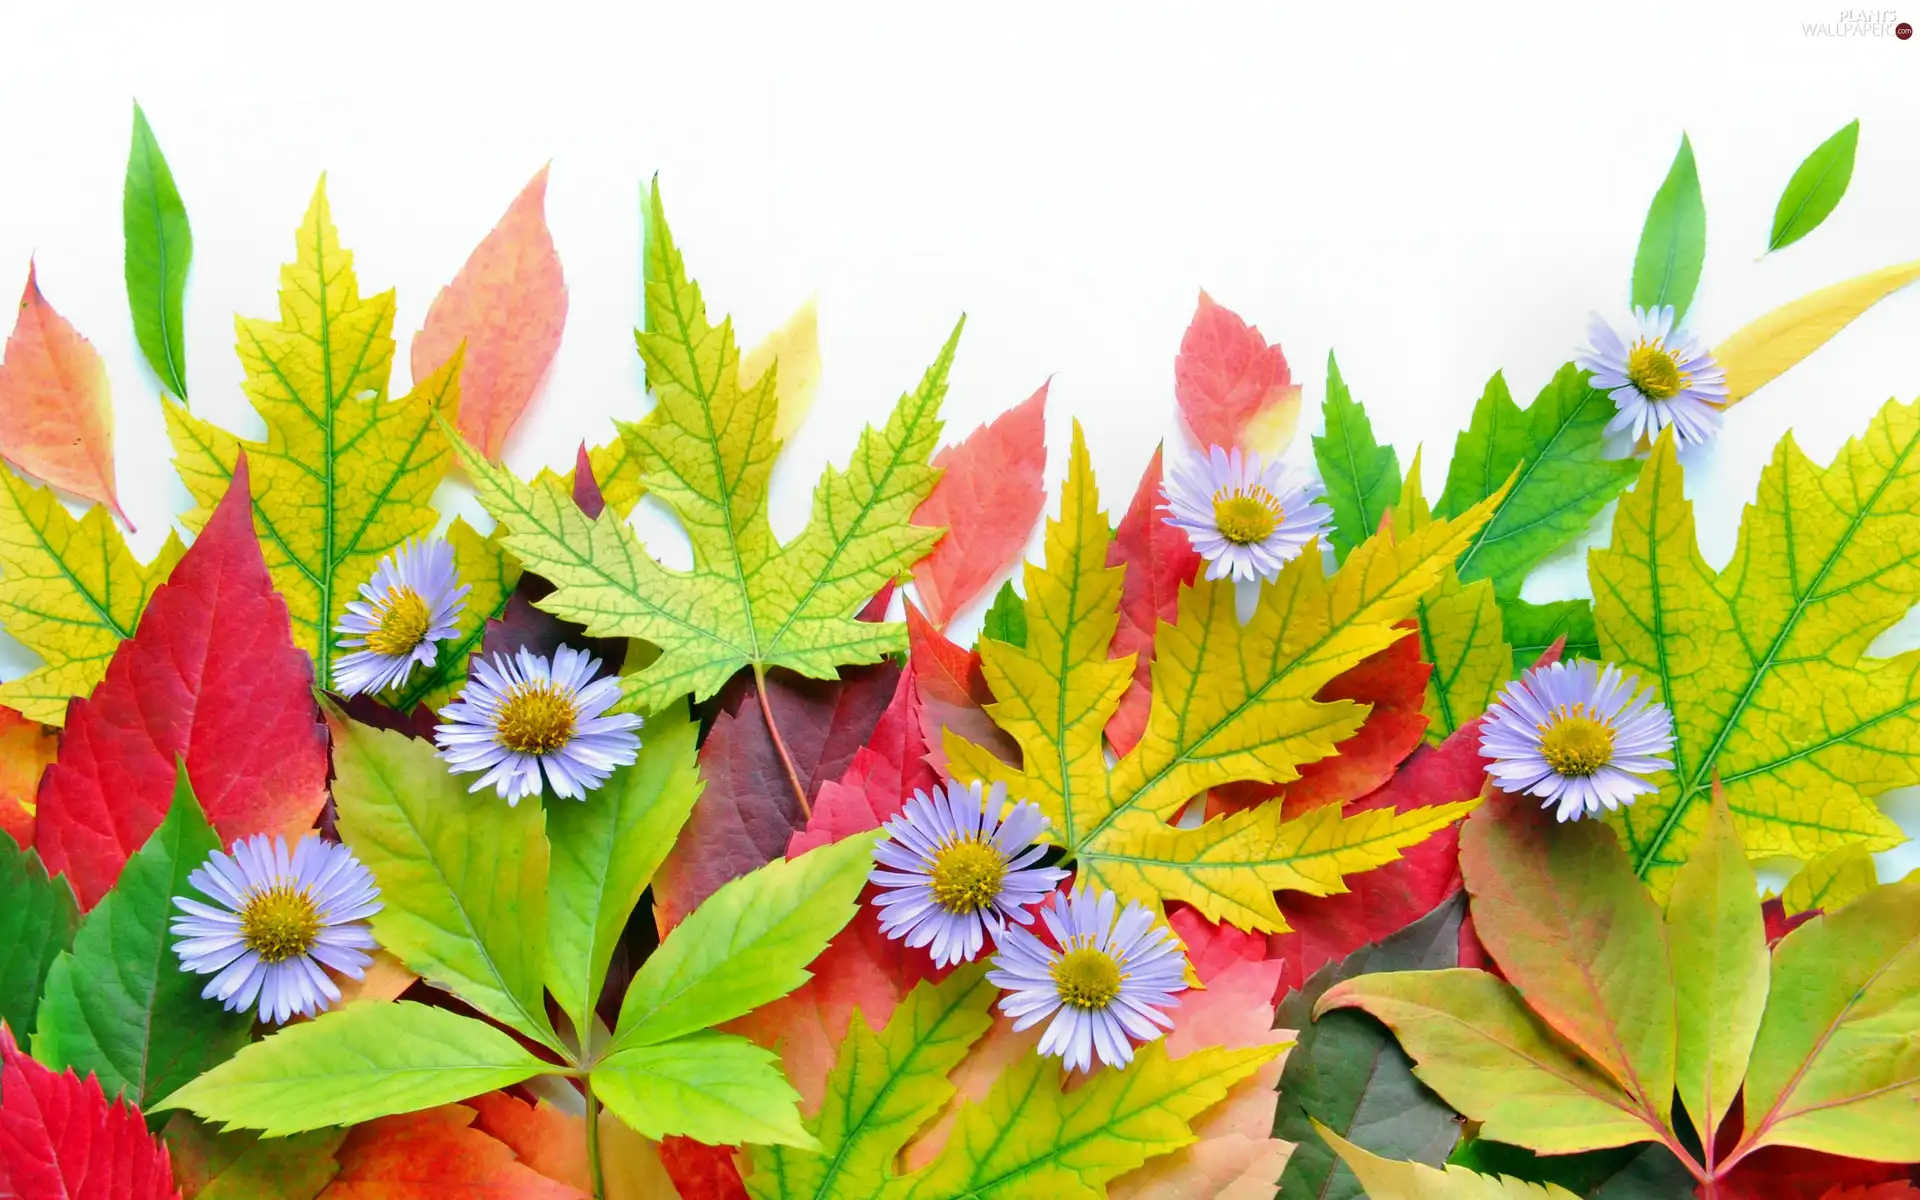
(537, 718)
(1246, 517)
(1653, 371)
(1087, 978)
(279, 923)
(402, 625)
(1574, 743)
(967, 875)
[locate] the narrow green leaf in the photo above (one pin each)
(38, 916)
(748, 944)
(1362, 477)
(1006, 619)
(463, 877)
(1673, 242)
(159, 247)
(1815, 189)
(120, 1005)
(605, 852)
(716, 1088)
(367, 1060)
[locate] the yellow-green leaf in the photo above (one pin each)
(1832, 881)
(1386, 1179)
(345, 474)
(707, 450)
(796, 346)
(1759, 352)
(1764, 664)
(1230, 702)
(70, 591)
(1461, 634)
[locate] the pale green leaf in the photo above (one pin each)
(717, 1088)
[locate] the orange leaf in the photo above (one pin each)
(988, 499)
(433, 1154)
(56, 419)
(26, 747)
(1233, 388)
(549, 1141)
(385, 978)
(508, 304)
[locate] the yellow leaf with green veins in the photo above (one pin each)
(707, 450)
(1231, 702)
(1461, 634)
(490, 574)
(70, 591)
(1832, 881)
(1764, 664)
(345, 475)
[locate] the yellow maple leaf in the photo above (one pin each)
(345, 474)
(1231, 702)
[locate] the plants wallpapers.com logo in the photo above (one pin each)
(1861, 22)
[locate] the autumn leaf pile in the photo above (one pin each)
(1401, 980)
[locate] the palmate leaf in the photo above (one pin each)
(1764, 664)
(707, 451)
(345, 474)
(1231, 702)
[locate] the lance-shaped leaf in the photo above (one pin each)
(989, 495)
(354, 1064)
(60, 1139)
(1159, 561)
(38, 917)
(1764, 664)
(490, 574)
(1718, 945)
(211, 677)
(1760, 351)
(507, 306)
(1834, 1067)
(1834, 880)
(159, 248)
(1673, 242)
(345, 474)
(1561, 912)
(70, 591)
(463, 879)
(56, 418)
(120, 1006)
(1233, 388)
(708, 449)
(440, 1152)
(1388, 1179)
(1231, 702)
(1362, 477)
(1816, 188)
(1487, 1054)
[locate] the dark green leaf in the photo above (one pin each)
(1348, 1073)
(1006, 620)
(1624, 1173)
(1673, 243)
(1362, 477)
(37, 918)
(1815, 188)
(159, 247)
(1531, 628)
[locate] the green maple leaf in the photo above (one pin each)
(707, 451)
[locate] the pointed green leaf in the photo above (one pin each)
(159, 247)
(38, 916)
(1718, 944)
(1385, 1179)
(1623, 1173)
(605, 852)
(120, 1005)
(1816, 188)
(883, 1089)
(748, 943)
(716, 1088)
(367, 1060)
(1006, 620)
(1362, 477)
(463, 878)
(1673, 243)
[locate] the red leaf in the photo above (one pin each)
(700, 1171)
(1790, 1173)
(885, 772)
(56, 417)
(953, 693)
(61, 1140)
(988, 499)
(547, 1140)
(212, 674)
(1214, 948)
(509, 305)
(1226, 375)
(431, 1154)
(586, 489)
(1778, 924)
(1159, 559)
(26, 747)
(749, 812)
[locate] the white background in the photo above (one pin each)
(1438, 192)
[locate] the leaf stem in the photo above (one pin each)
(595, 1177)
(779, 744)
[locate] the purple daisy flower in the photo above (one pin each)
(413, 602)
(275, 921)
(519, 716)
(1103, 982)
(1577, 735)
(1662, 378)
(1246, 520)
(950, 870)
